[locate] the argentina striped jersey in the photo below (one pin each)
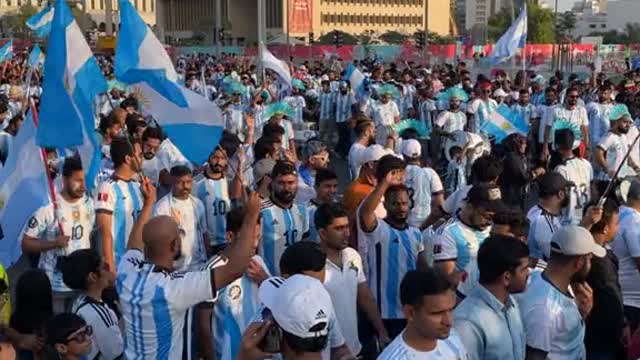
(391, 253)
(154, 304)
(214, 195)
(123, 200)
(281, 228)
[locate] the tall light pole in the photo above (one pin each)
(218, 32)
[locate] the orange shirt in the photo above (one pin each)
(354, 195)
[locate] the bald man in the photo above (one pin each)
(155, 298)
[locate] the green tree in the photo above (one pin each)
(394, 37)
(612, 37)
(347, 39)
(566, 24)
(540, 24)
(14, 22)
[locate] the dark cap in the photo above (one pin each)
(283, 167)
(302, 256)
(486, 196)
(552, 182)
(634, 190)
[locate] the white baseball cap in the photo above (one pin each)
(300, 305)
(373, 153)
(411, 148)
(575, 240)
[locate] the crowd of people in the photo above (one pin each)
(447, 242)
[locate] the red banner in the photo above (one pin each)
(300, 16)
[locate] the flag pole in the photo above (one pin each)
(51, 187)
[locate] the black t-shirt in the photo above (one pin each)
(605, 323)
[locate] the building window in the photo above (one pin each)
(153, 5)
(93, 4)
(603, 25)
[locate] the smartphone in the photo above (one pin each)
(272, 340)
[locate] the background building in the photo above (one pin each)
(239, 17)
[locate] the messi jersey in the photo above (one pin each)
(281, 228)
(123, 200)
(214, 194)
(391, 254)
(234, 309)
(154, 304)
(77, 220)
(458, 242)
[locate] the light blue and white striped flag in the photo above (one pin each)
(140, 57)
(72, 80)
(504, 122)
(36, 56)
(40, 23)
(23, 189)
(356, 79)
(279, 67)
(515, 38)
(6, 51)
(194, 124)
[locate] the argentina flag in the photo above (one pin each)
(6, 51)
(504, 122)
(279, 67)
(515, 38)
(40, 23)
(193, 123)
(36, 57)
(23, 189)
(140, 57)
(356, 79)
(72, 80)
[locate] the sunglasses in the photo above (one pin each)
(80, 335)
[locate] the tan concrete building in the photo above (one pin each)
(180, 18)
(95, 8)
(359, 16)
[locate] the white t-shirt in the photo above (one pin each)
(546, 117)
(451, 121)
(356, 154)
(580, 172)
(552, 320)
(384, 114)
(577, 116)
(342, 285)
(422, 183)
(626, 246)
(190, 216)
(449, 349)
(615, 147)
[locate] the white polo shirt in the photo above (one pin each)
(342, 285)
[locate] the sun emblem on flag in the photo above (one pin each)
(506, 126)
(138, 94)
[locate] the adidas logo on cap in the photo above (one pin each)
(320, 315)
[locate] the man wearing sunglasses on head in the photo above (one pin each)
(315, 157)
(481, 107)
